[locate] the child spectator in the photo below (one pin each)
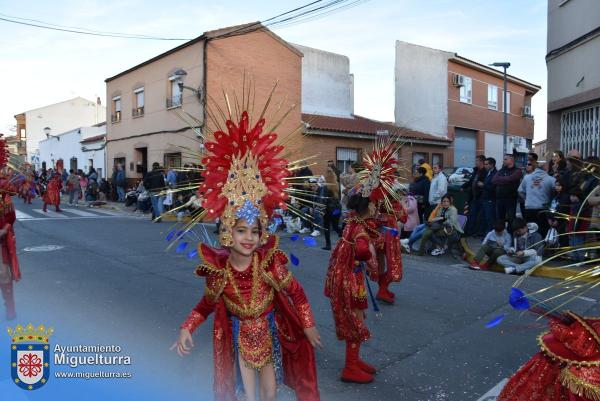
(526, 250)
(495, 244)
(579, 221)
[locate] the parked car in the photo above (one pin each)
(461, 175)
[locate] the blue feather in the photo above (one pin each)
(294, 237)
(309, 241)
(181, 247)
(517, 299)
(294, 259)
(495, 321)
(171, 235)
(192, 254)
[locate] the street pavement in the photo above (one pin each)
(102, 276)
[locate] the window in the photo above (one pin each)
(437, 158)
(138, 109)
(345, 157)
(172, 160)
(73, 164)
(23, 134)
(116, 116)
(492, 97)
(175, 98)
(507, 101)
(416, 156)
(466, 91)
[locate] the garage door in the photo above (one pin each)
(465, 148)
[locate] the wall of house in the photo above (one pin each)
(160, 130)
(327, 85)
(69, 146)
(266, 61)
(421, 88)
(60, 117)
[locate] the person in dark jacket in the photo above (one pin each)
(507, 182)
(330, 197)
(474, 189)
(488, 193)
(154, 182)
(420, 189)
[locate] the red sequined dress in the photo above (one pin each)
(52, 194)
(345, 283)
(9, 270)
(566, 369)
(260, 314)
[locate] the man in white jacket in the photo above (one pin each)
(439, 186)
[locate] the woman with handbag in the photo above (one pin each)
(442, 223)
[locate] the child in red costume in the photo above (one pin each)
(390, 260)
(567, 368)
(345, 287)
(263, 325)
(52, 194)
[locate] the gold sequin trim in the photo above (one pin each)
(579, 386)
(554, 356)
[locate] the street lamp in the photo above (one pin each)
(504, 65)
(47, 131)
(180, 75)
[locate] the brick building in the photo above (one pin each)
(145, 100)
(446, 95)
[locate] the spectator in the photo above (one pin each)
(507, 183)
(104, 189)
(474, 188)
(171, 177)
(330, 196)
(488, 196)
(560, 208)
(74, 187)
(442, 222)
(579, 221)
(427, 167)
(526, 249)
(558, 164)
(154, 182)
(536, 188)
(311, 211)
(64, 175)
(439, 186)
(331, 165)
(91, 193)
(420, 189)
(349, 180)
(113, 185)
(92, 174)
(120, 182)
(412, 213)
(495, 244)
(83, 181)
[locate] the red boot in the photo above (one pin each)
(365, 367)
(352, 371)
(9, 300)
(45, 209)
(383, 293)
(58, 210)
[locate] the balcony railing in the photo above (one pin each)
(174, 102)
(115, 118)
(137, 112)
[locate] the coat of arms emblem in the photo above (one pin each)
(30, 356)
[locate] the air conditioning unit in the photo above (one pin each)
(458, 80)
(527, 111)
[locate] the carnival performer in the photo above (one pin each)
(355, 257)
(28, 185)
(353, 254)
(52, 194)
(390, 260)
(263, 324)
(567, 368)
(9, 265)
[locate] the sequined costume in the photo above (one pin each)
(260, 315)
(52, 194)
(345, 286)
(566, 369)
(390, 260)
(27, 190)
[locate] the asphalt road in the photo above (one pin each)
(110, 280)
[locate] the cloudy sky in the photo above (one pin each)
(40, 67)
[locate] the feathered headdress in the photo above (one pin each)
(244, 177)
(380, 168)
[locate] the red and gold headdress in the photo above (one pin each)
(245, 178)
(379, 174)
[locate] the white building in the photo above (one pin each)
(573, 52)
(80, 148)
(327, 85)
(59, 117)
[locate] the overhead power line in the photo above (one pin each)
(298, 15)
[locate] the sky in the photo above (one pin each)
(40, 67)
